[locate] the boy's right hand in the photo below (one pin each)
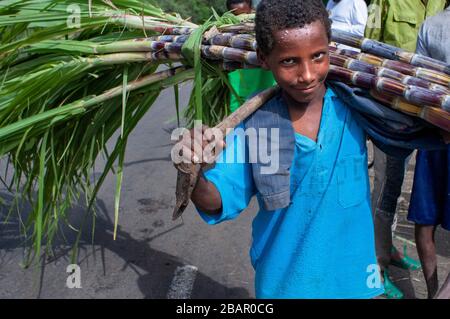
(201, 148)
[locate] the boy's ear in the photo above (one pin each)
(262, 59)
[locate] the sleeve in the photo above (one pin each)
(421, 42)
(233, 178)
(359, 17)
(376, 18)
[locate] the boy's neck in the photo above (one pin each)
(296, 106)
(306, 117)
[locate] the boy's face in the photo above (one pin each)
(241, 8)
(299, 61)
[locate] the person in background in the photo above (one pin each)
(430, 198)
(394, 22)
(397, 22)
(246, 81)
(255, 3)
(239, 6)
(348, 15)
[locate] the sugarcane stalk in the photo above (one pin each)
(396, 102)
(357, 65)
(436, 116)
(214, 52)
(413, 94)
(388, 51)
(170, 38)
(433, 76)
(133, 57)
(239, 28)
(402, 67)
(433, 115)
(217, 52)
(138, 45)
(188, 172)
(238, 41)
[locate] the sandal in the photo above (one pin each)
(406, 262)
(391, 291)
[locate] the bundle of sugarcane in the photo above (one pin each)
(419, 86)
(69, 79)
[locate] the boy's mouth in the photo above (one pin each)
(306, 90)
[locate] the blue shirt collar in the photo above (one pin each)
(330, 93)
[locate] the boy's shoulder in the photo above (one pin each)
(265, 114)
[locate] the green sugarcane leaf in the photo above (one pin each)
(122, 154)
(177, 102)
(40, 208)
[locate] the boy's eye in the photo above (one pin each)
(288, 62)
(319, 56)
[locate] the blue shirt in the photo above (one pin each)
(322, 244)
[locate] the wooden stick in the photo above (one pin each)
(188, 172)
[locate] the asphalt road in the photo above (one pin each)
(154, 257)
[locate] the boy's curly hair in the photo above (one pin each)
(275, 15)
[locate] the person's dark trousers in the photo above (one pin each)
(389, 174)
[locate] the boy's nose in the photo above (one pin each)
(306, 74)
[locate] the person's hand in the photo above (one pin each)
(445, 136)
(199, 147)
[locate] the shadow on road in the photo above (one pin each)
(155, 269)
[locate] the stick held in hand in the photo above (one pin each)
(188, 172)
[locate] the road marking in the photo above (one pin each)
(182, 282)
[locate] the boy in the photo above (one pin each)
(313, 236)
(246, 81)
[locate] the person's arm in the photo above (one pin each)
(232, 177)
(377, 13)
(359, 17)
(422, 45)
(224, 191)
(206, 197)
